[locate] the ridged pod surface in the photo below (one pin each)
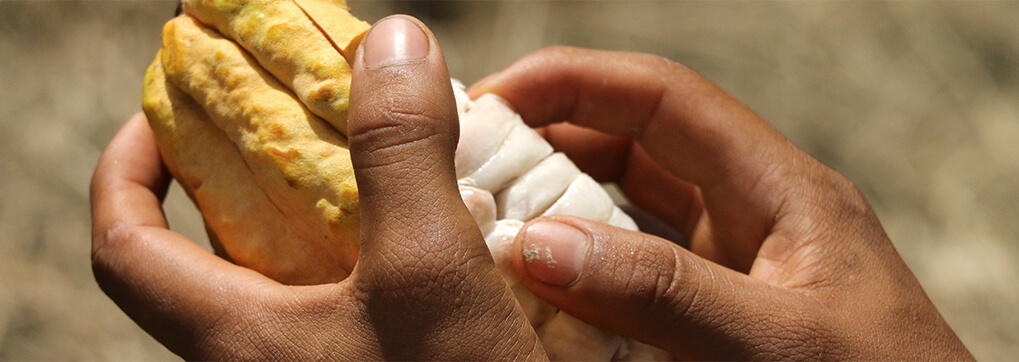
(249, 99)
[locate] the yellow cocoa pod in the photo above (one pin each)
(248, 100)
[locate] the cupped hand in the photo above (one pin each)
(425, 286)
(786, 258)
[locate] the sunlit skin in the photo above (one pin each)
(786, 259)
(425, 286)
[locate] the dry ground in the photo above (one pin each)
(914, 101)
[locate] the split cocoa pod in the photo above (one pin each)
(248, 101)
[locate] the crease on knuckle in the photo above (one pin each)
(829, 205)
(664, 295)
(107, 244)
(662, 94)
(392, 123)
(396, 128)
(684, 301)
(639, 130)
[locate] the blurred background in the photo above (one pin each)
(916, 102)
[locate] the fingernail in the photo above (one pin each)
(555, 253)
(394, 40)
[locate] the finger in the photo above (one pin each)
(421, 249)
(618, 159)
(171, 287)
(129, 181)
(403, 131)
(646, 288)
(600, 155)
(686, 124)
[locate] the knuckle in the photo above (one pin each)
(853, 200)
(655, 279)
(106, 245)
(842, 200)
(665, 293)
(836, 186)
(682, 301)
(397, 131)
(821, 199)
(406, 130)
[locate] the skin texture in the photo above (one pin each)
(425, 286)
(786, 259)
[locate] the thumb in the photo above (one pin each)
(420, 248)
(637, 285)
(402, 132)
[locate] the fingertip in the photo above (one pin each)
(403, 132)
(395, 40)
(392, 41)
(398, 66)
(553, 252)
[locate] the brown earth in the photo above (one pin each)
(915, 101)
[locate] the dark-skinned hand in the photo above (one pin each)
(786, 259)
(425, 286)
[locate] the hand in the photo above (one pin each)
(786, 260)
(425, 286)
